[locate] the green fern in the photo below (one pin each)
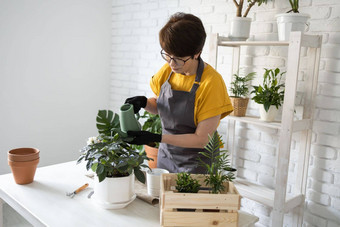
(217, 165)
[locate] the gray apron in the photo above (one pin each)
(176, 110)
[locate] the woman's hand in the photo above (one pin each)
(143, 137)
(138, 102)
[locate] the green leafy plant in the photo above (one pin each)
(251, 3)
(108, 155)
(272, 90)
(217, 166)
(294, 6)
(185, 183)
(239, 86)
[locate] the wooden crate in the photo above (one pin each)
(206, 209)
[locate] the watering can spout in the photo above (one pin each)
(128, 121)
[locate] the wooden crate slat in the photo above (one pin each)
(202, 201)
(199, 219)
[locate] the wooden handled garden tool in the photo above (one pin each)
(72, 194)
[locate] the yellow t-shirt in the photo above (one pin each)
(212, 98)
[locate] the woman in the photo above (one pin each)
(191, 97)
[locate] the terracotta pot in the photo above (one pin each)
(23, 172)
(23, 154)
(151, 152)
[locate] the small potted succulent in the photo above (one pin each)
(270, 94)
(218, 169)
(240, 90)
(292, 20)
(115, 163)
(152, 124)
(240, 25)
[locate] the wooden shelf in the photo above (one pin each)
(277, 198)
(298, 125)
(256, 121)
(224, 41)
(264, 195)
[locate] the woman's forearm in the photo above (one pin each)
(151, 105)
(185, 140)
(195, 140)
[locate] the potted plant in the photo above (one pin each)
(114, 162)
(218, 168)
(240, 25)
(270, 94)
(185, 183)
(240, 90)
(152, 124)
(292, 20)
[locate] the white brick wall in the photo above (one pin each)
(135, 58)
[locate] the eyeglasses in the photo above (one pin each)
(178, 61)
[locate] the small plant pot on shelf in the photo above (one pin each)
(288, 22)
(239, 28)
(269, 115)
(240, 106)
(151, 152)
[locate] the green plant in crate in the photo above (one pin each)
(218, 164)
(108, 155)
(271, 92)
(185, 183)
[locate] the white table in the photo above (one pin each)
(44, 202)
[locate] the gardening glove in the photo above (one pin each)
(138, 102)
(143, 137)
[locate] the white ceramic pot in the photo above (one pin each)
(287, 22)
(239, 28)
(115, 192)
(270, 115)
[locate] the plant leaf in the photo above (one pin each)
(106, 120)
(139, 175)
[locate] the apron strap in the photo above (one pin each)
(199, 73)
(169, 76)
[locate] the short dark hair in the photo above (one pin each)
(183, 35)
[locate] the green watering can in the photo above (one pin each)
(128, 121)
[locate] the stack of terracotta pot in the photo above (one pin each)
(23, 163)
